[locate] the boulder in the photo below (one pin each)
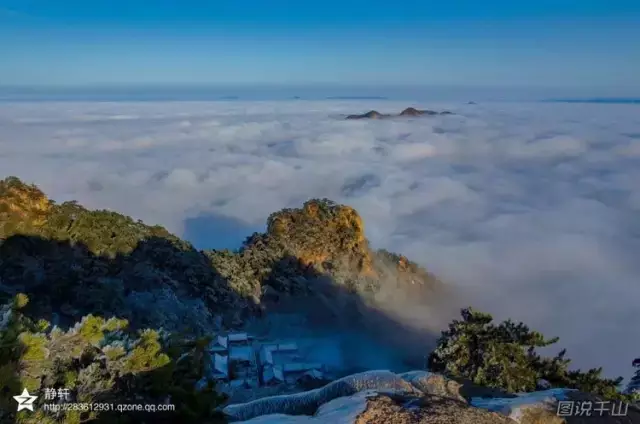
(434, 384)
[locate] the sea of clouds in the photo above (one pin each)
(532, 208)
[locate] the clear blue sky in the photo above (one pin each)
(585, 43)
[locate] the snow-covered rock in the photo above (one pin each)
(343, 410)
(516, 407)
(307, 403)
(341, 401)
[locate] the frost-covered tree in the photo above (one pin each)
(99, 360)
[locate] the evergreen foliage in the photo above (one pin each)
(82, 262)
(504, 356)
(100, 361)
(633, 387)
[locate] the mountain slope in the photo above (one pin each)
(80, 261)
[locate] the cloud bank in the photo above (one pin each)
(533, 208)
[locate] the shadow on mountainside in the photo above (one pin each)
(163, 283)
(367, 336)
(177, 288)
(158, 284)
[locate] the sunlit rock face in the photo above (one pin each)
(23, 207)
(331, 238)
(323, 232)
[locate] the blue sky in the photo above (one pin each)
(587, 43)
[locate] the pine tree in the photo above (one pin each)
(491, 355)
(504, 356)
(633, 388)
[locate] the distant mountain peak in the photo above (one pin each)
(372, 114)
(411, 111)
(408, 112)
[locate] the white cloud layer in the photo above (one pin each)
(534, 208)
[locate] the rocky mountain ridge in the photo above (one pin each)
(126, 264)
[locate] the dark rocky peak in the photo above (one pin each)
(372, 114)
(410, 111)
